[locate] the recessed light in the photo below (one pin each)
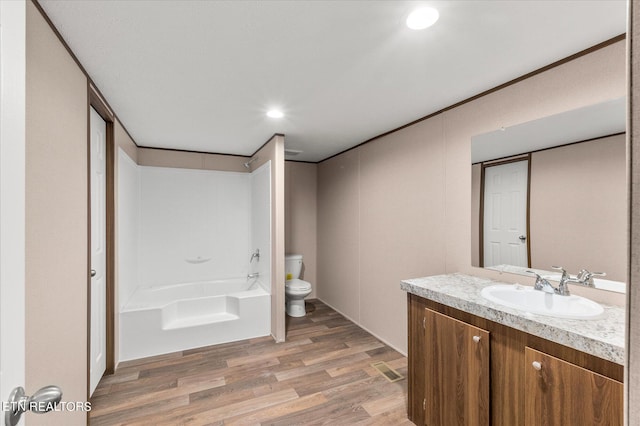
(422, 18)
(275, 113)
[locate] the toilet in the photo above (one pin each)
(295, 289)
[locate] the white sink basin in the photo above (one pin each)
(538, 302)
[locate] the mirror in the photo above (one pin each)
(553, 191)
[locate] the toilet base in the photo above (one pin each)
(295, 308)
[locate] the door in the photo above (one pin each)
(505, 214)
(563, 394)
(98, 351)
(12, 197)
(456, 372)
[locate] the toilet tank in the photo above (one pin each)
(292, 266)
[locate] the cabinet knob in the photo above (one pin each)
(476, 339)
(536, 365)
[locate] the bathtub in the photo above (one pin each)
(163, 319)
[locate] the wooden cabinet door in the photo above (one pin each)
(456, 372)
(560, 393)
(416, 376)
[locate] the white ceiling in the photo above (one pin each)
(200, 75)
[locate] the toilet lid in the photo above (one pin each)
(298, 285)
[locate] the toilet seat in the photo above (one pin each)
(297, 285)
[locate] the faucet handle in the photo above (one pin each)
(565, 275)
(538, 276)
(582, 274)
(528, 271)
(586, 274)
(587, 277)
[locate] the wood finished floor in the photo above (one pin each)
(322, 374)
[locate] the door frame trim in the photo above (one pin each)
(483, 166)
(95, 101)
(12, 197)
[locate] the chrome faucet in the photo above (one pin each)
(254, 275)
(542, 284)
(584, 278)
(256, 255)
(563, 288)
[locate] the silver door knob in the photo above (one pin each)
(476, 339)
(93, 273)
(536, 365)
(43, 401)
(522, 238)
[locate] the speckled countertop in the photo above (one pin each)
(602, 337)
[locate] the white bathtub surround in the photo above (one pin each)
(159, 320)
(199, 227)
(261, 223)
(128, 227)
(195, 225)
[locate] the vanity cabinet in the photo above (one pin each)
(456, 372)
(454, 380)
(568, 394)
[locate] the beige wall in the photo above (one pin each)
(579, 207)
(191, 160)
(380, 215)
(274, 151)
(301, 183)
(56, 220)
(400, 206)
(339, 233)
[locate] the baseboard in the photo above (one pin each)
(364, 328)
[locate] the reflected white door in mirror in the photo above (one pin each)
(505, 214)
